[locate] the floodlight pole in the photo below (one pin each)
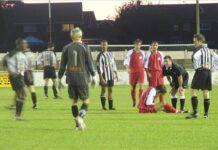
(49, 22)
(198, 17)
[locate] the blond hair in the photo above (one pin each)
(76, 34)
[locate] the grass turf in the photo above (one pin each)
(51, 126)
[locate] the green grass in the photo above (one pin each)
(51, 126)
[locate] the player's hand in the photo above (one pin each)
(60, 85)
(116, 78)
(102, 81)
(128, 70)
(149, 75)
(94, 81)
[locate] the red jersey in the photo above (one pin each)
(135, 60)
(154, 61)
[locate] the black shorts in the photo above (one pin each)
(28, 77)
(184, 84)
(78, 92)
(49, 72)
(17, 82)
(202, 80)
(110, 83)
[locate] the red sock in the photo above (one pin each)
(169, 108)
(161, 97)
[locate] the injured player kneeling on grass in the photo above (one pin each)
(147, 105)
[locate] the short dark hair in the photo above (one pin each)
(168, 57)
(104, 41)
(138, 41)
(161, 89)
(153, 42)
(200, 37)
(19, 41)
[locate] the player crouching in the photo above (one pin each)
(147, 105)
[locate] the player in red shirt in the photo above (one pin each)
(134, 62)
(147, 105)
(154, 67)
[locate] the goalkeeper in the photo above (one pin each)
(77, 62)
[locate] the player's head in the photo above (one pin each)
(76, 34)
(26, 45)
(50, 46)
(154, 46)
(199, 40)
(168, 61)
(20, 44)
(138, 44)
(104, 45)
(160, 90)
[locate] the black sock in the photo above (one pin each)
(46, 90)
(75, 111)
(182, 103)
(174, 102)
(19, 106)
(206, 105)
(34, 99)
(195, 104)
(110, 102)
(55, 91)
(83, 110)
(103, 101)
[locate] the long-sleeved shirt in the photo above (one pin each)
(76, 61)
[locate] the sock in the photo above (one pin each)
(83, 110)
(133, 94)
(140, 93)
(206, 105)
(46, 90)
(110, 102)
(182, 102)
(34, 99)
(195, 104)
(174, 101)
(161, 97)
(103, 101)
(75, 111)
(55, 91)
(19, 106)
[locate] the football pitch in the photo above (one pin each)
(51, 127)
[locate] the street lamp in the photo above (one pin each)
(49, 21)
(197, 17)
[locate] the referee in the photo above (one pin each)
(178, 78)
(106, 69)
(202, 60)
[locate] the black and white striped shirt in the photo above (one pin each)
(107, 66)
(203, 58)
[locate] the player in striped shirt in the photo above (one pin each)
(28, 74)
(107, 71)
(202, 60)
(48, 60)
(135, 62)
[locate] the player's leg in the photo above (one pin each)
(33, 95)
(194, 102)
(110, 98)
(103, 98)
(141, 82)
(160, 81)
(133, 82)
(169, 108)
(174, 97)
(46, 81)
(55, 88)
(206, 102)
